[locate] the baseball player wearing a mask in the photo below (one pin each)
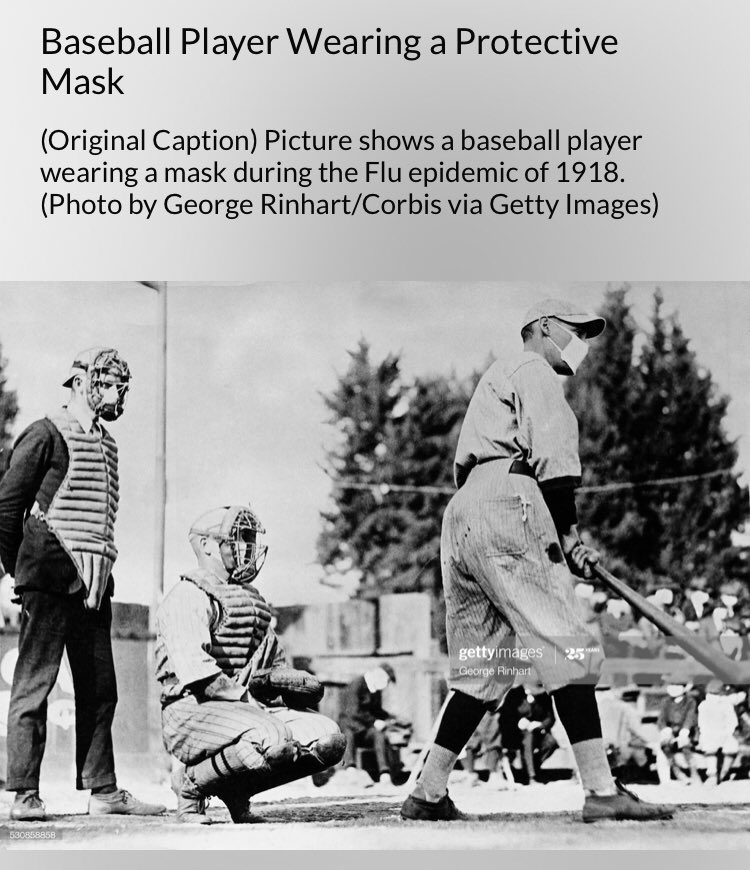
(509, 545)
(58, 503)
(232, 711)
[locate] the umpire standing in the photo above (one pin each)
(58, 502)
(509, 544)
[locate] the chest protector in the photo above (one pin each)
(242, 621)
(82, 512)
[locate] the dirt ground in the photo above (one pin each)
(303, 817)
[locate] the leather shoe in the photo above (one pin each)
(191, 803)
(420, 810)
(28, 807)
(623, 805)
(121, 802)
(236, 800)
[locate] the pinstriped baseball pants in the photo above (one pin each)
(507, 588)
(196, 730)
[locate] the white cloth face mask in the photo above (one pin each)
(574, 352)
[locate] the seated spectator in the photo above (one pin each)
(655, 642)
(653, 639)
(742, 709)
(366, 723)
(10, 609)
(626, 741)
(694, 602)
(717, 724)
(615, 621)
(730, 639)
(526, 720)
(484, 754)
(742, 615)
(710, 625)
(677, 723)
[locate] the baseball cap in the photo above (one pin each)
(82, 362)
(389, 670)
(79, 366)
(568, 312)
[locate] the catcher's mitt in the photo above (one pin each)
(297, 689)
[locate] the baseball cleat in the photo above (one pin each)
(122, 803)
(191, 803)
(236, 800)
(623, 805)
(419, 810)
(28, 807)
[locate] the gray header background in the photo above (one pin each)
(680, 78)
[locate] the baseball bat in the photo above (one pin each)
(715, 660)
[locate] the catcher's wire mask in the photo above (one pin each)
(106, 370)
(238, 532)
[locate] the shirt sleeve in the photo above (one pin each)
(691, 715)
(220, 688)
(547, 425)
(19, 486)
(184, 624)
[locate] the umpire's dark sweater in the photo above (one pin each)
(28, 549)
(360, 707)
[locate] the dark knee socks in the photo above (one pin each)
(579, 715)
(460, 719)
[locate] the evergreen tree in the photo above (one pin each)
(392, 434)
(602, 396)
(8, 411)
(420, 448)
(645, 417)
(362, 524)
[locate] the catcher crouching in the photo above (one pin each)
(233, 712)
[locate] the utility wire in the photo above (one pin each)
(383, 488)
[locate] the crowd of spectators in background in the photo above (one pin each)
(721, 618)
(691, 734)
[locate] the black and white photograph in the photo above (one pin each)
(361, 565)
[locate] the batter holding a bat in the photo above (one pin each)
(509, 546)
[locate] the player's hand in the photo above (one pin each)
(665, 735)
(379, 725)
(524, 724)
(579, 557)
(683, 739)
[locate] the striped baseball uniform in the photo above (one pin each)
(509, 594)
(203, 709)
